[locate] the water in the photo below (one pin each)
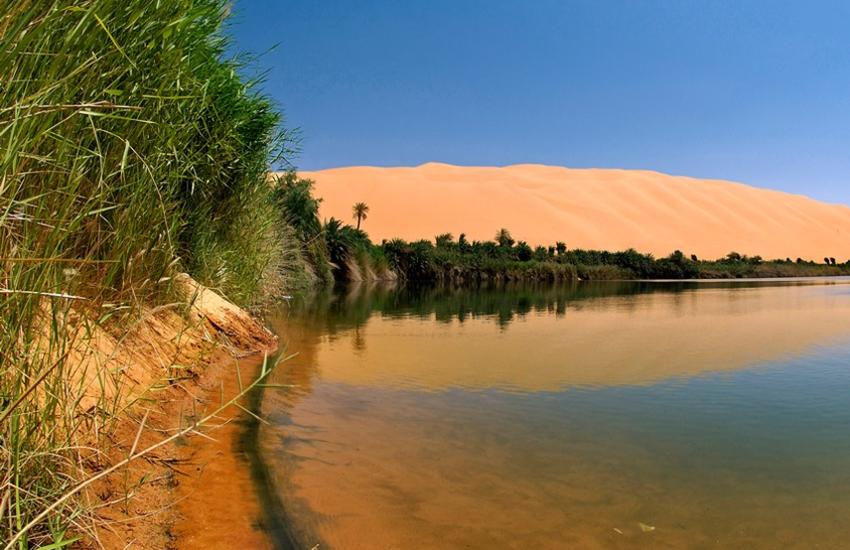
(619, 415)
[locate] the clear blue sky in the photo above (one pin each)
(757, 92)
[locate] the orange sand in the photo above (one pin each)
(587, 208)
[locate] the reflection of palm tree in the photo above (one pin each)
(361, 210)
(359, 340)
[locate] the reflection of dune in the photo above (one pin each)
(609, 209)
(634, 339)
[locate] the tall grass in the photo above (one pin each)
(130, 148)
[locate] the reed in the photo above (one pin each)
(130, 149)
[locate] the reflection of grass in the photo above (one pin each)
(276, 523)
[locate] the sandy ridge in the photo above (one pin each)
(587, 208)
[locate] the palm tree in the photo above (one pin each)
(294, 196)
(561, 247)
(503, 237)
(361, 210)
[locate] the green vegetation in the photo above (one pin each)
(131, 150)
(332, 249)
(447, 260)
(361, 211)
(300, 211)
(596, 265)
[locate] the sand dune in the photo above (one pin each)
(587, 208)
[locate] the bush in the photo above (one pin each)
(523, 252)
(446, 240)
(294, 198)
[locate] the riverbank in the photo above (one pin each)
(464, 263)
(177, 368)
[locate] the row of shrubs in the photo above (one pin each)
(446, 258)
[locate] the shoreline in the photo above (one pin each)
(276, 525)
(477, 282)
(217, 503)
(180, 368)
(241, 503)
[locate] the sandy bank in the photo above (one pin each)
(587, 208)
(175, 365)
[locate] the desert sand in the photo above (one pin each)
(586, 208)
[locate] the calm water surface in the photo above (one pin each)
(619, 415)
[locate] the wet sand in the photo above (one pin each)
(217, 502)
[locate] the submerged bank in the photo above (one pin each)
(219, 503)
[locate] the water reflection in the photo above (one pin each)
(352, 306)
(534, 339)
(566, 417)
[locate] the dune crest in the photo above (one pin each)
(587, 208)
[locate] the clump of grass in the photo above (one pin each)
(130, 148)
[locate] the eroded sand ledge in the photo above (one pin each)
(174, 364)
(587, 208)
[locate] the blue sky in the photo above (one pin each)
(751, 91)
